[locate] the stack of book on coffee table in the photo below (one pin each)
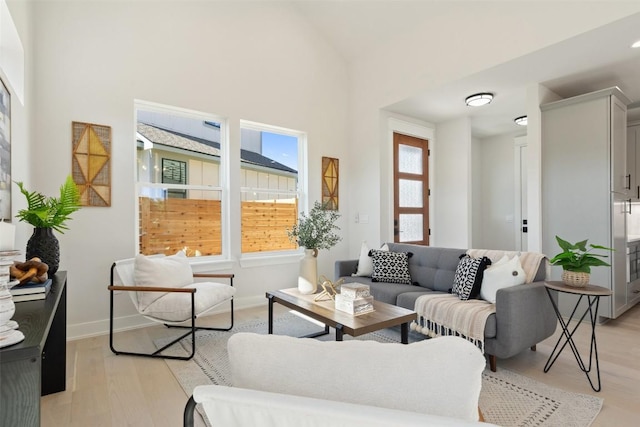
(354, 298)
(31, 291)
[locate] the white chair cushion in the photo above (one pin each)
(441, 376)
(166, 272)
(176, 306)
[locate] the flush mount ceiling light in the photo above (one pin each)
(636, 44)
(522, 120)
(479, 99)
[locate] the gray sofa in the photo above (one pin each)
(524, 315)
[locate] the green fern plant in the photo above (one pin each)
(50, 212)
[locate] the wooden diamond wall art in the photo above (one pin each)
(330, 183)
(91, 163)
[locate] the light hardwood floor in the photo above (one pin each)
(108, 390)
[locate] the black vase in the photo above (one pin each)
(44, 245)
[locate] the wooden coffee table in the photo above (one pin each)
(384, 316)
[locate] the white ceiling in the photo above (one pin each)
(595, 60)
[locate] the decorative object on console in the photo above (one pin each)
(33, 270)
(47, 214)
(576, 261)
(9, 334)
(313, 232)
(7, 235)
(91, 169)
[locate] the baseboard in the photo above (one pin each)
(126, 323)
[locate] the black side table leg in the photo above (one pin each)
(339, 332)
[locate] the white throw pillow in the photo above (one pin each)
(167, 272)
(365, 262)
(502, 274)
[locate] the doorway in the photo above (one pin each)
(410, 190)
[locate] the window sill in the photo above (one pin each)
(259, 260)
(207, 266)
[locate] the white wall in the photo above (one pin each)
(251, 61)
(477, 194)
(498, 202)
(452, 197)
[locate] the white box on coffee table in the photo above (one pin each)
(354, 306)
(355, 290)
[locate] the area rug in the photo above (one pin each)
(506, 399)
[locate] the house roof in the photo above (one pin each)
(181, 141)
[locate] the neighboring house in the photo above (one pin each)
(189, 160)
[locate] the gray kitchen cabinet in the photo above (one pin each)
(633, 160)
(586, 186)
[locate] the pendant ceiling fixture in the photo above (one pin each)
(522, 120)
(479, 99)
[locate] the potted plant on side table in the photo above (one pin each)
(47, 214)
(576, 261)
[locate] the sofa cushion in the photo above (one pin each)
(431, 267)
(365, 262)
(504, 275)
(468, 277)
(390, 267)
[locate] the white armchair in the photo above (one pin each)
(164, 289)
(283, 381)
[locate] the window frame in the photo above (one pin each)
(254, 259)
(222, 261)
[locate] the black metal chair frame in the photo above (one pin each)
(192, 327)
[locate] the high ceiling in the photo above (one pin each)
(591, 61)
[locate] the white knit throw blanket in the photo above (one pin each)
(446, 314)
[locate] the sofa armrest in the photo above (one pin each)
(345, 268)
(524, 317)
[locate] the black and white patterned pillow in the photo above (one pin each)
(392, 267)
(468, 278)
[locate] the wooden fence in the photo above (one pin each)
(167, 226)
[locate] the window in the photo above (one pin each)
(179, 181)
(272, 186)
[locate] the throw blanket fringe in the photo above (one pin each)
(446, 314)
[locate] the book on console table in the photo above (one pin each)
(31, 291)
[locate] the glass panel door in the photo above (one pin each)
(411, 189)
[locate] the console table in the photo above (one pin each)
(36, 366)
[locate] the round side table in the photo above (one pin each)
(592, 293)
